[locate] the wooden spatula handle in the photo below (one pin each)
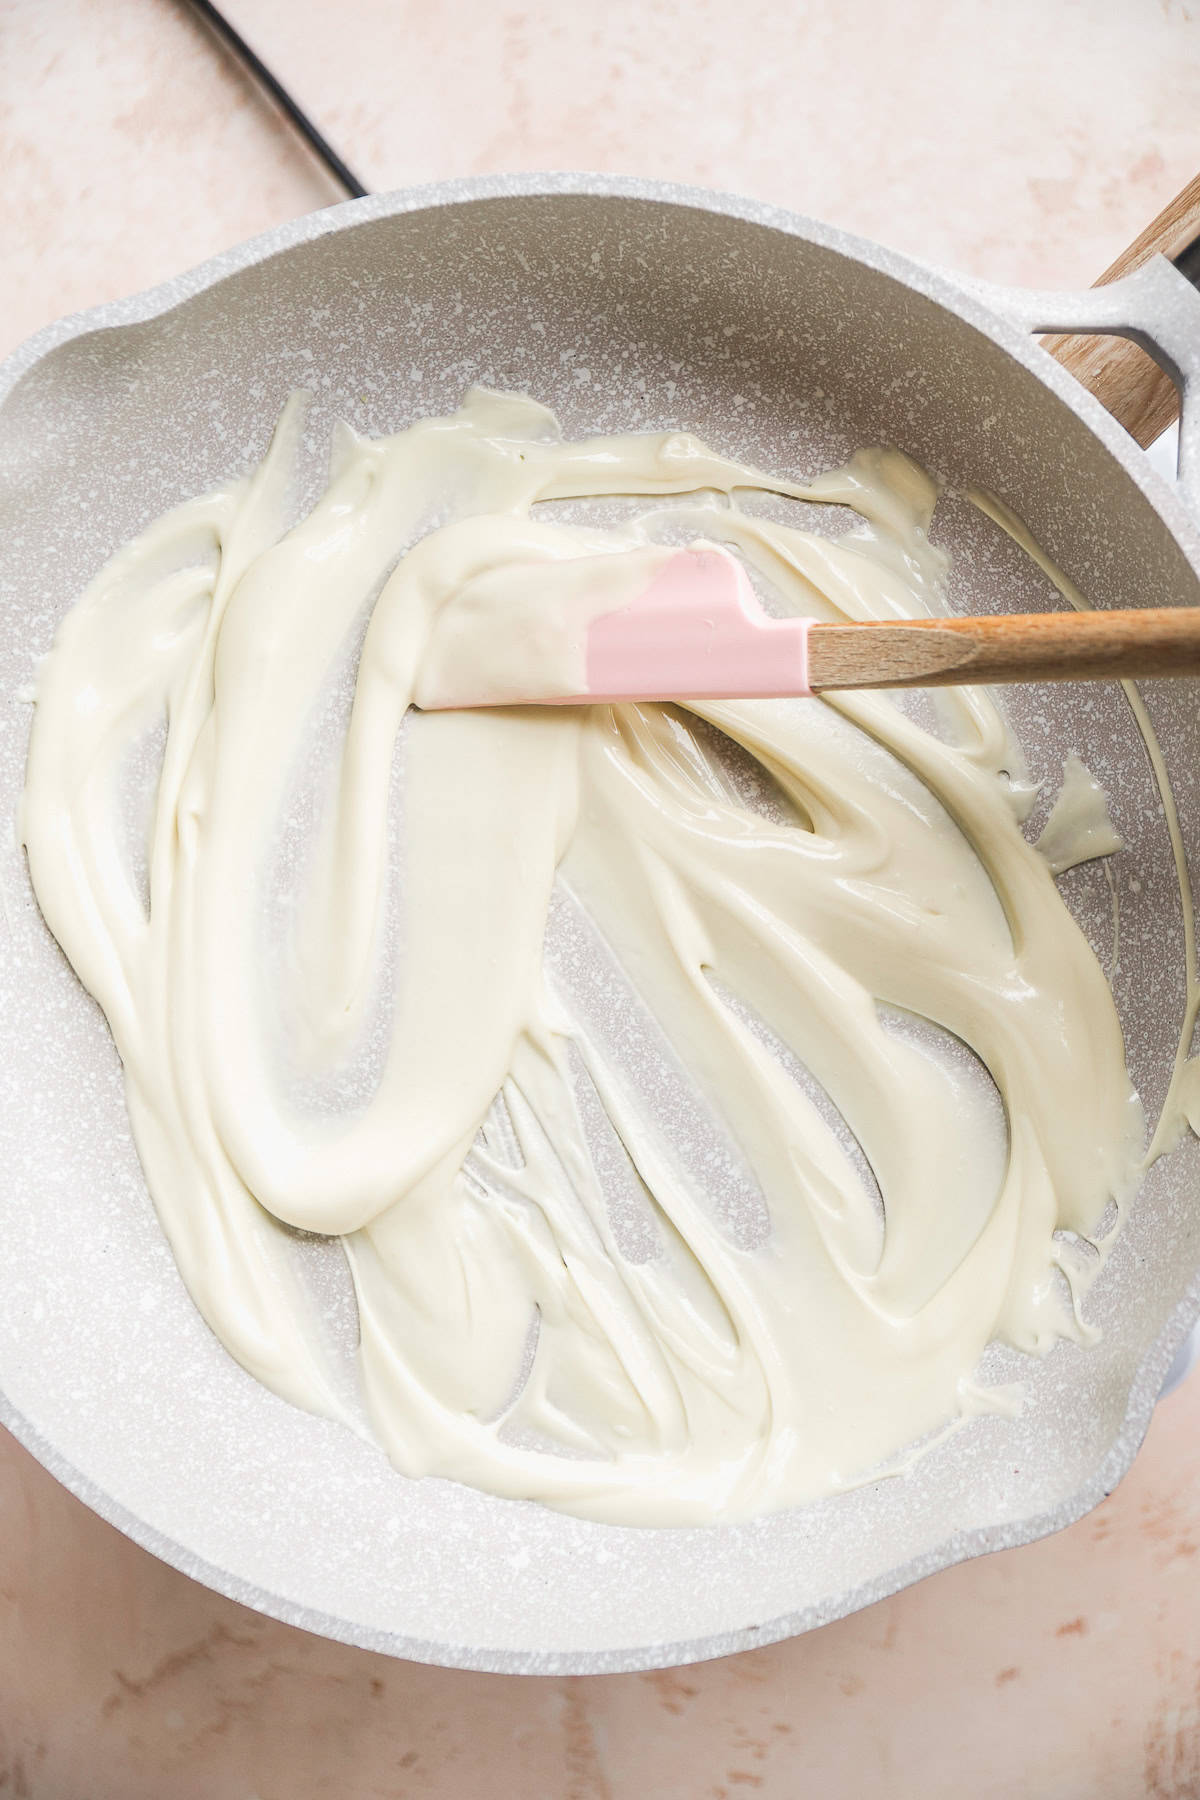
(1070, 646)
(1120, 374)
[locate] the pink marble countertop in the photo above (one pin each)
(1025, 142)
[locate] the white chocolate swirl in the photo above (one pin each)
(630, 1068)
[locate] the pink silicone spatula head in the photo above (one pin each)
(696, 632)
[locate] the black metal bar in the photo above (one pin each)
(1188, 263)
(315, 139)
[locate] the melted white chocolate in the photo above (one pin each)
(1079, 828)
(1180, 1108)
(670, 1210)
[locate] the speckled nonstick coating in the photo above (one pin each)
(624, 304)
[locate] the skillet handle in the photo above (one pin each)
(1157, 308)
(1138, 394)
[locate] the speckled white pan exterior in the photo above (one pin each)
(623, 305)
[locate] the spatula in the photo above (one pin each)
(697, 631)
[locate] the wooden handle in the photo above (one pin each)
(1091, 646)
(1120, 374)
